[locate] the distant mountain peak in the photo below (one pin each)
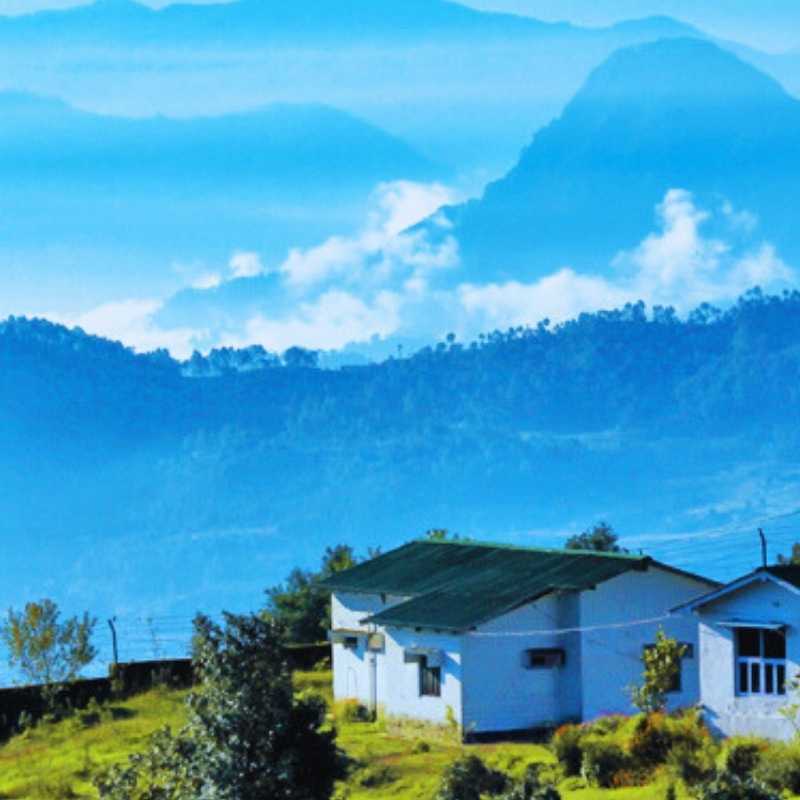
(686, 63)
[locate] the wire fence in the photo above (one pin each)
(139, 638)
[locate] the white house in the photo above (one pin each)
(504, 638)
(749, 651)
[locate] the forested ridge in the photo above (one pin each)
(657, 422)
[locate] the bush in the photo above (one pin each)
(376, 775)
(727, 786)
(656, 735)
(779, 768)
(420, 746)
(468, 778)
(602, 762)
(743, 757)
(351, 711)
(532, 787)
(692, 764)
(567, 745)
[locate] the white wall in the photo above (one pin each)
(397, 683)
(727, 714)
(499, 692)
(611, 658)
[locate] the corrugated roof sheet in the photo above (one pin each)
(453, 586)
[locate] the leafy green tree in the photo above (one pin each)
(600, 538)
(300, 606)
(49, 651)
(662, 664)
(247, 736)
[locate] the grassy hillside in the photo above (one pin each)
(58, 761)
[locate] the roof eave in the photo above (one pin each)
(761, 574)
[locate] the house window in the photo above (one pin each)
(676, 684)
(430, 679)
(350, 642)
(543, 658)
(760, 662)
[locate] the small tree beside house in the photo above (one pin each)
(662, 664)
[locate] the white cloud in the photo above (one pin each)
(384, 245)
(131, 322)
(208, 280)
(330, 322)
(558, 297)
(676, 266)
(245, 264)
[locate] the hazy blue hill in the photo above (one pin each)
(102, 189)
(678, 113)
(135, 485)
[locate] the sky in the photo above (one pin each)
(772, 25)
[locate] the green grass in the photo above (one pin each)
(58, 761)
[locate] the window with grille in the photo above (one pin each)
(760, 662)
(430, 679)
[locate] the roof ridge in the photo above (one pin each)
(530, 549)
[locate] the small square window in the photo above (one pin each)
(350, 642)
(543, 658)
(430, 679)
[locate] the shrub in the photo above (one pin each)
(743, 757)
(532, 787)
(602, 761)
(351, 711)
(780, 767)
(468, 778)
(693, 765)
(567, 745)
(651, 740)
(420, 746)
(727, 786)
(376, 775)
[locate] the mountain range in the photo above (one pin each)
(119, 202)
(134, 483)
(674, 113)
(401, 65)
(674, 157)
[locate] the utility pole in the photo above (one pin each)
(114, 639)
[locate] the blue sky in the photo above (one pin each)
(768, 24)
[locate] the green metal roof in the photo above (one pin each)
(454, 586)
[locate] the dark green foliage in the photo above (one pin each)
(532, 787)
(743, 758)
(602, 761)
(600, 538)
(468, 778)
(300, 607)
(780, 767)
(568, 750)
(727, 786)
(247, 737)
(692, 762)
